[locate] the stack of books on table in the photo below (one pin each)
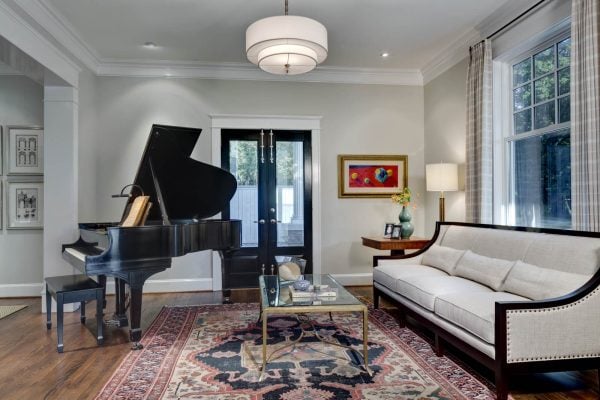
(322, 291)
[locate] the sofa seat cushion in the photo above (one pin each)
(423, 290)
(473, 311)
(541, 283)
(388, 274)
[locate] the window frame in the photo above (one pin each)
(503, 125)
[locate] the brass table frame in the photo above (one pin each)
(312, 309)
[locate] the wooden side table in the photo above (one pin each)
(395, 246)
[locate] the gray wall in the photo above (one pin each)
(21, 103)
(357, 119)
(445, 138)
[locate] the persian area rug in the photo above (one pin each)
(214, 352)
(5, 311)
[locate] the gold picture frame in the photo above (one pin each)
(371, 175)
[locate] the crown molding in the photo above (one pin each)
(247, 71)
(459, 48)
(51, 20)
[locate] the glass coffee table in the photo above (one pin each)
(276, 298)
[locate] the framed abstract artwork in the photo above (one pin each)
(24, 205)
(371, 175)
(25, 148)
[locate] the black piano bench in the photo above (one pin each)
(72, 289)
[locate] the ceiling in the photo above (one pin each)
(412, 31)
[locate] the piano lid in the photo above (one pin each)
(179, 187)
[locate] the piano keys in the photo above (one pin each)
(184, 192)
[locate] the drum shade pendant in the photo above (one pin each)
(286, 44)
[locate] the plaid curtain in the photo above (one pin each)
(585, 115)
(479, 183)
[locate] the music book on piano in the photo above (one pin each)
(138, 212)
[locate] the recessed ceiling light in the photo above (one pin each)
(150, 45)
(385, 54)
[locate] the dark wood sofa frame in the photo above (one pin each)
(501, 368)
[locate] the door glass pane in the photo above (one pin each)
(541, 187)
(244, 204)
(290, 193)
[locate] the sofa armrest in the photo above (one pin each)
(564, 328)
(411, 259)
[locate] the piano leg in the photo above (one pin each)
(120, 317)
(102, 282)
(135, 316)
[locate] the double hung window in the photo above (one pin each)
(537, 148)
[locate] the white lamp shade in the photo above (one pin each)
(286, 44)
(441, 177)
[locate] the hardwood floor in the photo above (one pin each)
(32, 369)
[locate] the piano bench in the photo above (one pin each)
(72, 289)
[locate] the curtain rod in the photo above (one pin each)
(518, 17)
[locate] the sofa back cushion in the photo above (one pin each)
(486, 270)
(442, 257)
(496, 243)
(579, 255)
(539, 283)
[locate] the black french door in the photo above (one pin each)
(273, 201)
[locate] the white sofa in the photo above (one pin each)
(519, 300)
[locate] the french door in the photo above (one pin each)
(273, 201)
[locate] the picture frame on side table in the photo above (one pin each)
(371, 175)
(25, 205)
(396, 232)
(389, 228)
(25, 150)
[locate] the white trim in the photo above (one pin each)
(169, 285)
(282, 122)
(45, 14)
(29, 40)
(361, 279)
(21, 290)
(246, 71)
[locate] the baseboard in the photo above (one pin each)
(361, 279)
(21, 290)
(169, 285)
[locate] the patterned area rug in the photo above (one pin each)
(5, 311)
(214, 352)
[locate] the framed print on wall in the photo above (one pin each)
(25, 150)
(24, 205)
(371, 175)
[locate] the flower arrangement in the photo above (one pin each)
(403, 198)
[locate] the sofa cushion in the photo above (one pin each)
(442, 257)
(423, 290)
(541, 283)
(473, 311)
(388, 274)
(579, 255)
(486, 270)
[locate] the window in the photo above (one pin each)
(538, 151)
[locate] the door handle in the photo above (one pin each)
(272, 269)
(274, 221)
(263, 269)
(260, 221)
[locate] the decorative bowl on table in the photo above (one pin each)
(301, 284)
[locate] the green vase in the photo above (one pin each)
(407, 227)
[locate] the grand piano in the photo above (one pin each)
(183, 192)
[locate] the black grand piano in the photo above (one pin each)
(183, 192)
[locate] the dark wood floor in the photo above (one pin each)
(32, 369)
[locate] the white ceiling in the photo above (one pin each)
(413, 31)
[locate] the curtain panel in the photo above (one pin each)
(479, 166)
(585, 115)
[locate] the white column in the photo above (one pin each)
(60, 176)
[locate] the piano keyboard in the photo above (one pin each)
(89, 251)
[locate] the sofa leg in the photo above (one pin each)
(375, 298)
(401, 317)
(438, 347)
(501, 385)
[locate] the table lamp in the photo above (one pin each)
(442, 177)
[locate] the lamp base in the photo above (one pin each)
(442, 209)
